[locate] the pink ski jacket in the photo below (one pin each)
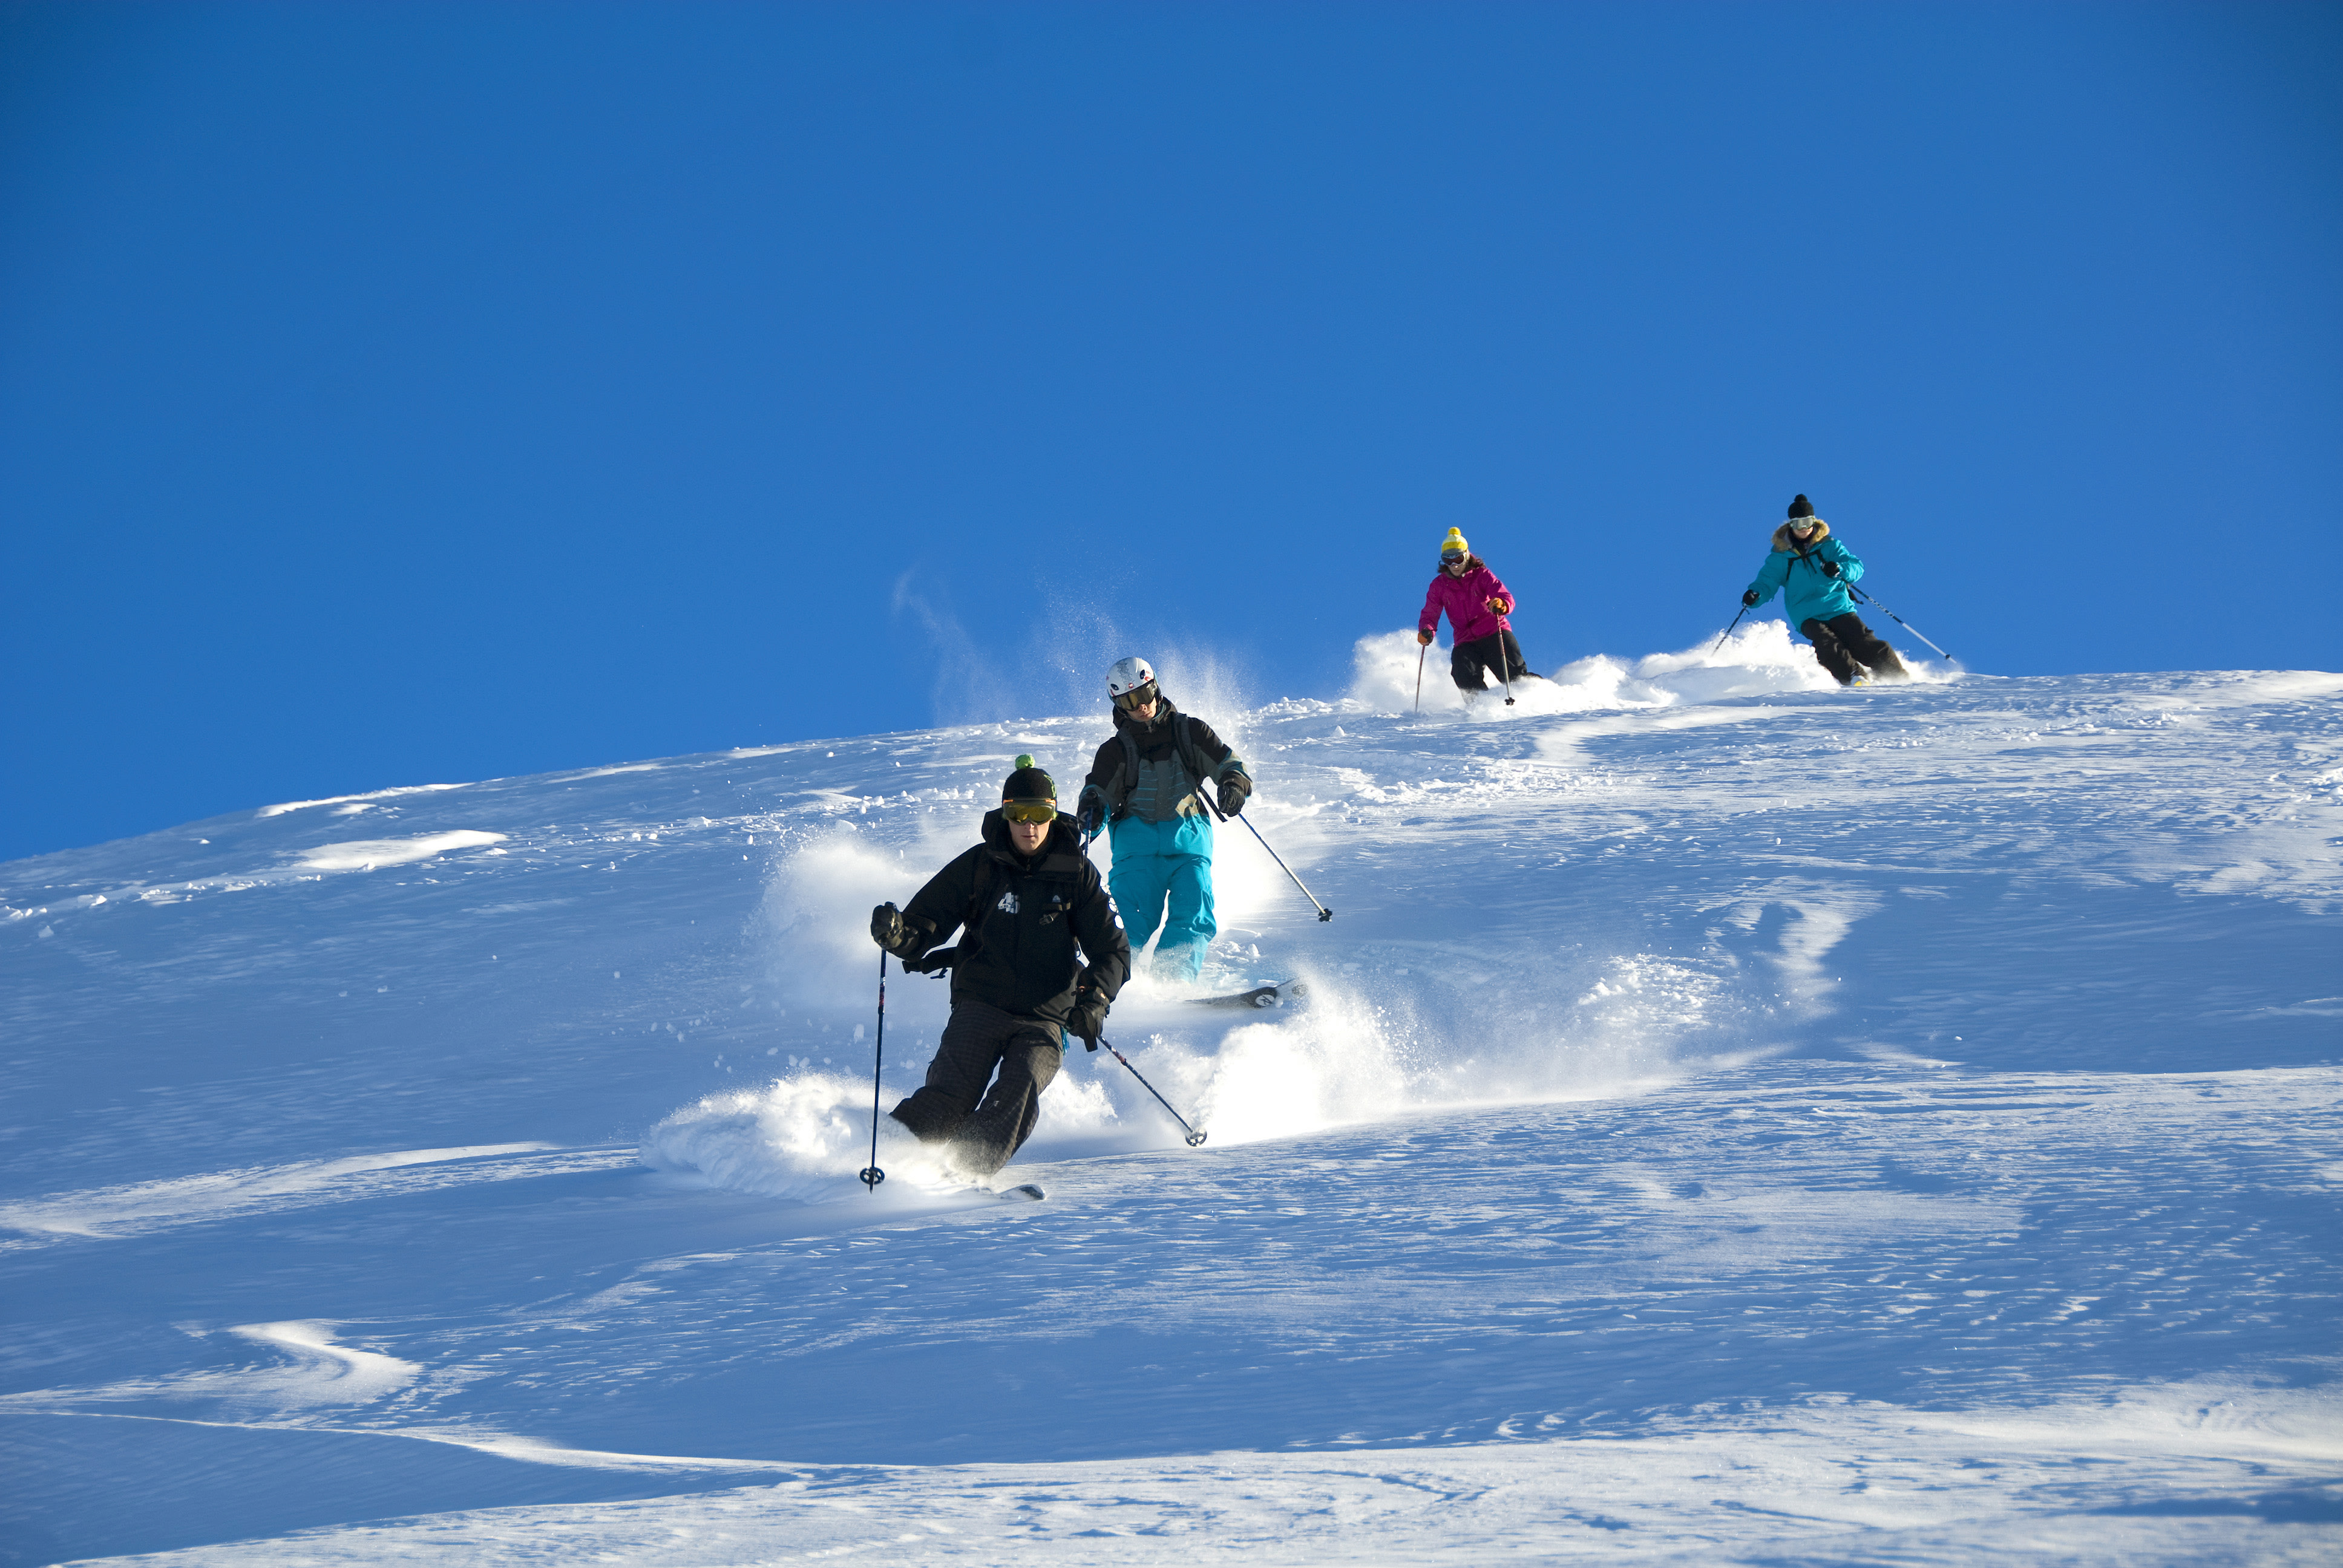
(1466, 601)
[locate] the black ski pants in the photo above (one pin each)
(1468, 661)
(953, 1106)
(1844, 642)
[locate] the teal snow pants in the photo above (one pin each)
(1162, 874)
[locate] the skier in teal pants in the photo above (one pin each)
(1146, 784)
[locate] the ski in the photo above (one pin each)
(1276, 994)
(1025, 1191)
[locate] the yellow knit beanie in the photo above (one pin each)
(1454, 541)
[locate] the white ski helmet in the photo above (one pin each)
(1127, 675)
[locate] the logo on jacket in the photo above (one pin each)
(1008, 904)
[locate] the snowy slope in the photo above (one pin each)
(1735, 1121)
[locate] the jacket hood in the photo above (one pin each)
(1782, 536)
(1065, 836)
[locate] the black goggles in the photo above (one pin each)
(1450, 557)
(1137, 697)
(1030, 810)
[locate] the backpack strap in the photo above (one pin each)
(979, 899)
(988, 871)
(1057, 868)
(941, 961)
(1194, 753)
(1183, 747)
(1130, 768)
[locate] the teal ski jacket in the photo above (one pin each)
(1796, 572)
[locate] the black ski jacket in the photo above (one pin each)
(1019, 950)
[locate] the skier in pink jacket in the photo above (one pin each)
(1477, 605)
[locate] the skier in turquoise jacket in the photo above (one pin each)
(1147, 784)
(1811, 570)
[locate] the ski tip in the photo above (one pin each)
(1276, 993)
(1024, 1191)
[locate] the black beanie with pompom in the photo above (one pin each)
(1029, 783)
(1800, 508)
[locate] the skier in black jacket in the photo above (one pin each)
(1029, 897)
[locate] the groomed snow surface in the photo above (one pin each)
(1735, 1121)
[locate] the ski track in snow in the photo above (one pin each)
(1734, 1119)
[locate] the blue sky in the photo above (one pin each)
(417, 392)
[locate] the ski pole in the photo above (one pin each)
(1506, 665)
(1727, 631)
(1324, 912)
(1899, 619)
(1214, 807)
(871, 1174)
(1195, 1136)
(1421, 651)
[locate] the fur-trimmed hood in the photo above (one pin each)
(1815, 580)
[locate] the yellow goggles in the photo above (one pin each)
(1030, 810)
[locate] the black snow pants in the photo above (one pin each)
(984, 1129)
(1844, 642)
(1470, 664)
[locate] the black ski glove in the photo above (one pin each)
(1235, 791)
(1087, 1021)
(1091, 811)
(1749, 600)
(1830, 568)
(899, 936)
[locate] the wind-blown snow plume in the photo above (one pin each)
(807, 1137)
(1755, 659)
(802, 1138)
(814, 923)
